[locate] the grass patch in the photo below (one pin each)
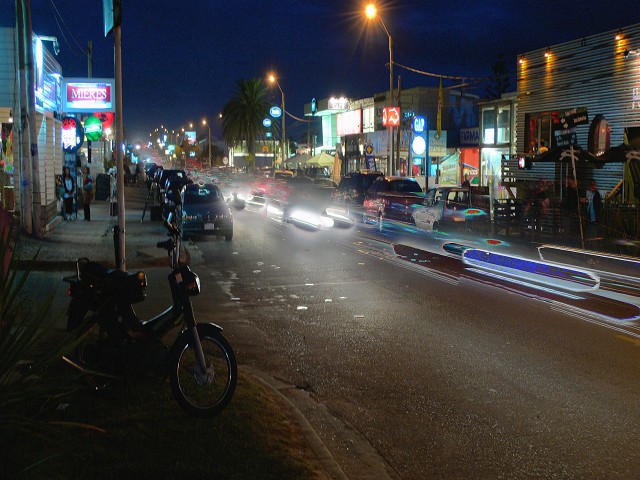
(143, 433)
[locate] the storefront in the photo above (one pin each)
(584, 93)
(47, 89)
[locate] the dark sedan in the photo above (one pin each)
(205, 212)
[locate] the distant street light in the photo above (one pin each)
(272, 79)
(372, 13)
(204, 122)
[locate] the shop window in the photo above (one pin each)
(538, 127)
(488, 126)
(504, 125)
(599, 135)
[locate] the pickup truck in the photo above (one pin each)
(446, 207)
(392, 198)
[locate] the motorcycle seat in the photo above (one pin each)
(128, 286)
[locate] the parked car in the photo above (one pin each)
(392, 198)
(205, 211)
(351, 191)
(451, 206)
(325, 182)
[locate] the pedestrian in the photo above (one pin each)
(543, 146)
(60, 197)
(594, 202)
(69, 186)
(87, 193)
(570, 219)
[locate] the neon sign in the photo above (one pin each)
(391, 116)
(72, 134)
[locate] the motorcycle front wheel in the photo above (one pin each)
(201, 393)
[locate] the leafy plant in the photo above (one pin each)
(27, 348)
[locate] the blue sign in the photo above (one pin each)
(266, 122)
(419, 124)
(275, 112)
(268, 134)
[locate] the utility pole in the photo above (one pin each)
(89, 74)
(398, 133)
(23, 130)
(37, 213)
(117, 44)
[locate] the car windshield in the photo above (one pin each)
(200, 195)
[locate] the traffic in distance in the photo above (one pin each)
(457, 221)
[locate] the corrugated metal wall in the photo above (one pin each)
(591, 72)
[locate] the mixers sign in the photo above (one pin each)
(88, 95)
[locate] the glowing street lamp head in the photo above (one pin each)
(272, 78)
(371, 11)
(204, 122)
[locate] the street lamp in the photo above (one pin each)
(372, 12)
(272, 79)
(204, 122)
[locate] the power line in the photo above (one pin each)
(56, 16)
(438, 75)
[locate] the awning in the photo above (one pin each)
(321, 160)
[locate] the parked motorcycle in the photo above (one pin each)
(114, 343)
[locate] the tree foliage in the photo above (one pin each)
(242, 116)
(500, 82)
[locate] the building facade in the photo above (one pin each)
(584, 92)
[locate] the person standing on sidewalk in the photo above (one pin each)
(60, 197)
(87, 193)
(69, 186)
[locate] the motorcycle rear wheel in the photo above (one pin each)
(203, 394)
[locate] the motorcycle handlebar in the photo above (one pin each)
(173, 230)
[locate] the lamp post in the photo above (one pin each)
(204, 122)
(283, 141)
(372, 12)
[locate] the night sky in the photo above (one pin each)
(181, 59)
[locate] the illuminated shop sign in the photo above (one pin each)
(418, 124)
(92, 128)
(368, 119)
(106, 118)
(349, 123)
(418, 146)
(191, 137)
(275, 112)
(341, 103)
(266, 122)
(72, 134)
(437, 144)
(391, 116)
(88, 95)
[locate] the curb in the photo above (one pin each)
(323, 455)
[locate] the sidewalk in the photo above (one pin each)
(64, 242)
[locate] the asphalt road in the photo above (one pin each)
(437, 370)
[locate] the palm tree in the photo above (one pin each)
(242, 116)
